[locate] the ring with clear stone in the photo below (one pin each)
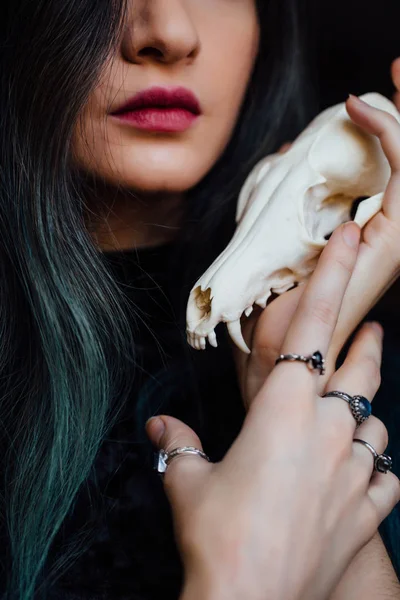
(163, 458)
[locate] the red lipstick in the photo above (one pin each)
(160, 109)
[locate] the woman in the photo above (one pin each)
(83, 194)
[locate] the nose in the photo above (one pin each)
(160, 31)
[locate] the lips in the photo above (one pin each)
(162, 98)
(160, 110)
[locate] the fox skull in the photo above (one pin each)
(287, 208)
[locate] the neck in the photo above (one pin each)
(123, 219)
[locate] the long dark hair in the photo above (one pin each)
(62, 382)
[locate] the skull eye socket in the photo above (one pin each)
(356, 203)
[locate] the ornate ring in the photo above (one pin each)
(314, 361)
(360, 407)
(163, 458)
(382, 462)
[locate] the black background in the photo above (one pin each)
(352, 45)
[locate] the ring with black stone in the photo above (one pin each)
(360, 407)
(382, 462)
(315, 361)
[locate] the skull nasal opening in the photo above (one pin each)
(203, 301)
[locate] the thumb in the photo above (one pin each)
(185, 474)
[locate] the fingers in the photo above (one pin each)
(285, 147)
(375, 433)
(315, 319)
(385, 126)
(396, 99)
(184, 474)
(395, 72)
(384, 494)
(360, 374)
(380, 252)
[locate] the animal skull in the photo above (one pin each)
(286, 209)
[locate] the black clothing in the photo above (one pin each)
(131, 554)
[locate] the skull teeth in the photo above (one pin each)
(212, 338)
(248, 311)
(262, 303)
(199, 342)
(235, 331)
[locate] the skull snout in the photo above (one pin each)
(199, 326)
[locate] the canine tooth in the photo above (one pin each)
(248, 311)
(203, 343)
(212, 338)
(235, 331)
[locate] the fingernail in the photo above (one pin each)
(358, 100)
(377, 327)
(156, 431)
(351, 234)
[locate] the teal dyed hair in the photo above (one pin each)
(64, 343)
(66, 352)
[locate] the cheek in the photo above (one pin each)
(230, 54)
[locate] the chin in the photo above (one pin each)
(174, 181)
(151, 168)
(168, 174)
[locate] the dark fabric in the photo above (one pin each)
(131, 552)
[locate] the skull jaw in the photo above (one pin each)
(203, 317)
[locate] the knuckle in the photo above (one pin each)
(383, 235)
(323, 311)
(371, 366)
(366, 368)
(344, 262)
(389, 123)
(391, 496)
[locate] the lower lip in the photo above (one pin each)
(159, 119)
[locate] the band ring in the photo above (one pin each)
(382, 462)
(315, 361)
(163, 458)
(360, 406)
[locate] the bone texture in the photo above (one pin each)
(287, 208)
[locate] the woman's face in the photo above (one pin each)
(207, 47)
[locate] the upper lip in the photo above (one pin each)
(178, 97)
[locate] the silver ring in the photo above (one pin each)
(360, 406)
(382, 462)
(315, 362)
(163, 458)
